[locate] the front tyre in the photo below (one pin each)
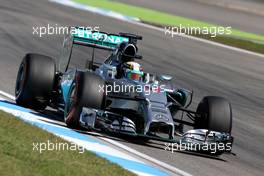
(215, 113)
(35, 81)
(85, 92)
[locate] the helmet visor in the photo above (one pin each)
(134, 76)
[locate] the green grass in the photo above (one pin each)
(165, 19)
(244, 44)
(18, 158)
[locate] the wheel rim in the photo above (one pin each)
(20, 80)
(71, 102)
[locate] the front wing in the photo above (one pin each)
(197, 140)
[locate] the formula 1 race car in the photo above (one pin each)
(117, 96)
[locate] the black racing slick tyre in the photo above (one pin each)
(215, 113)
(85, 92)
(35, 80)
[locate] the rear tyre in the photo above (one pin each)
(85, 92)
(215, 114)
(35, 80)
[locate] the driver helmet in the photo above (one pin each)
(133, 71)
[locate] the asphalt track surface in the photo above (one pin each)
(205, 12)
(208, 69)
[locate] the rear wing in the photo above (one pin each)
(94, 39)
(97, 39)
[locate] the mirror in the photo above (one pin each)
(165, 77)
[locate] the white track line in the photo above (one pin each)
(148, 158)
(202, 40)
(87, 8)
(7, 95)
(128, 149)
